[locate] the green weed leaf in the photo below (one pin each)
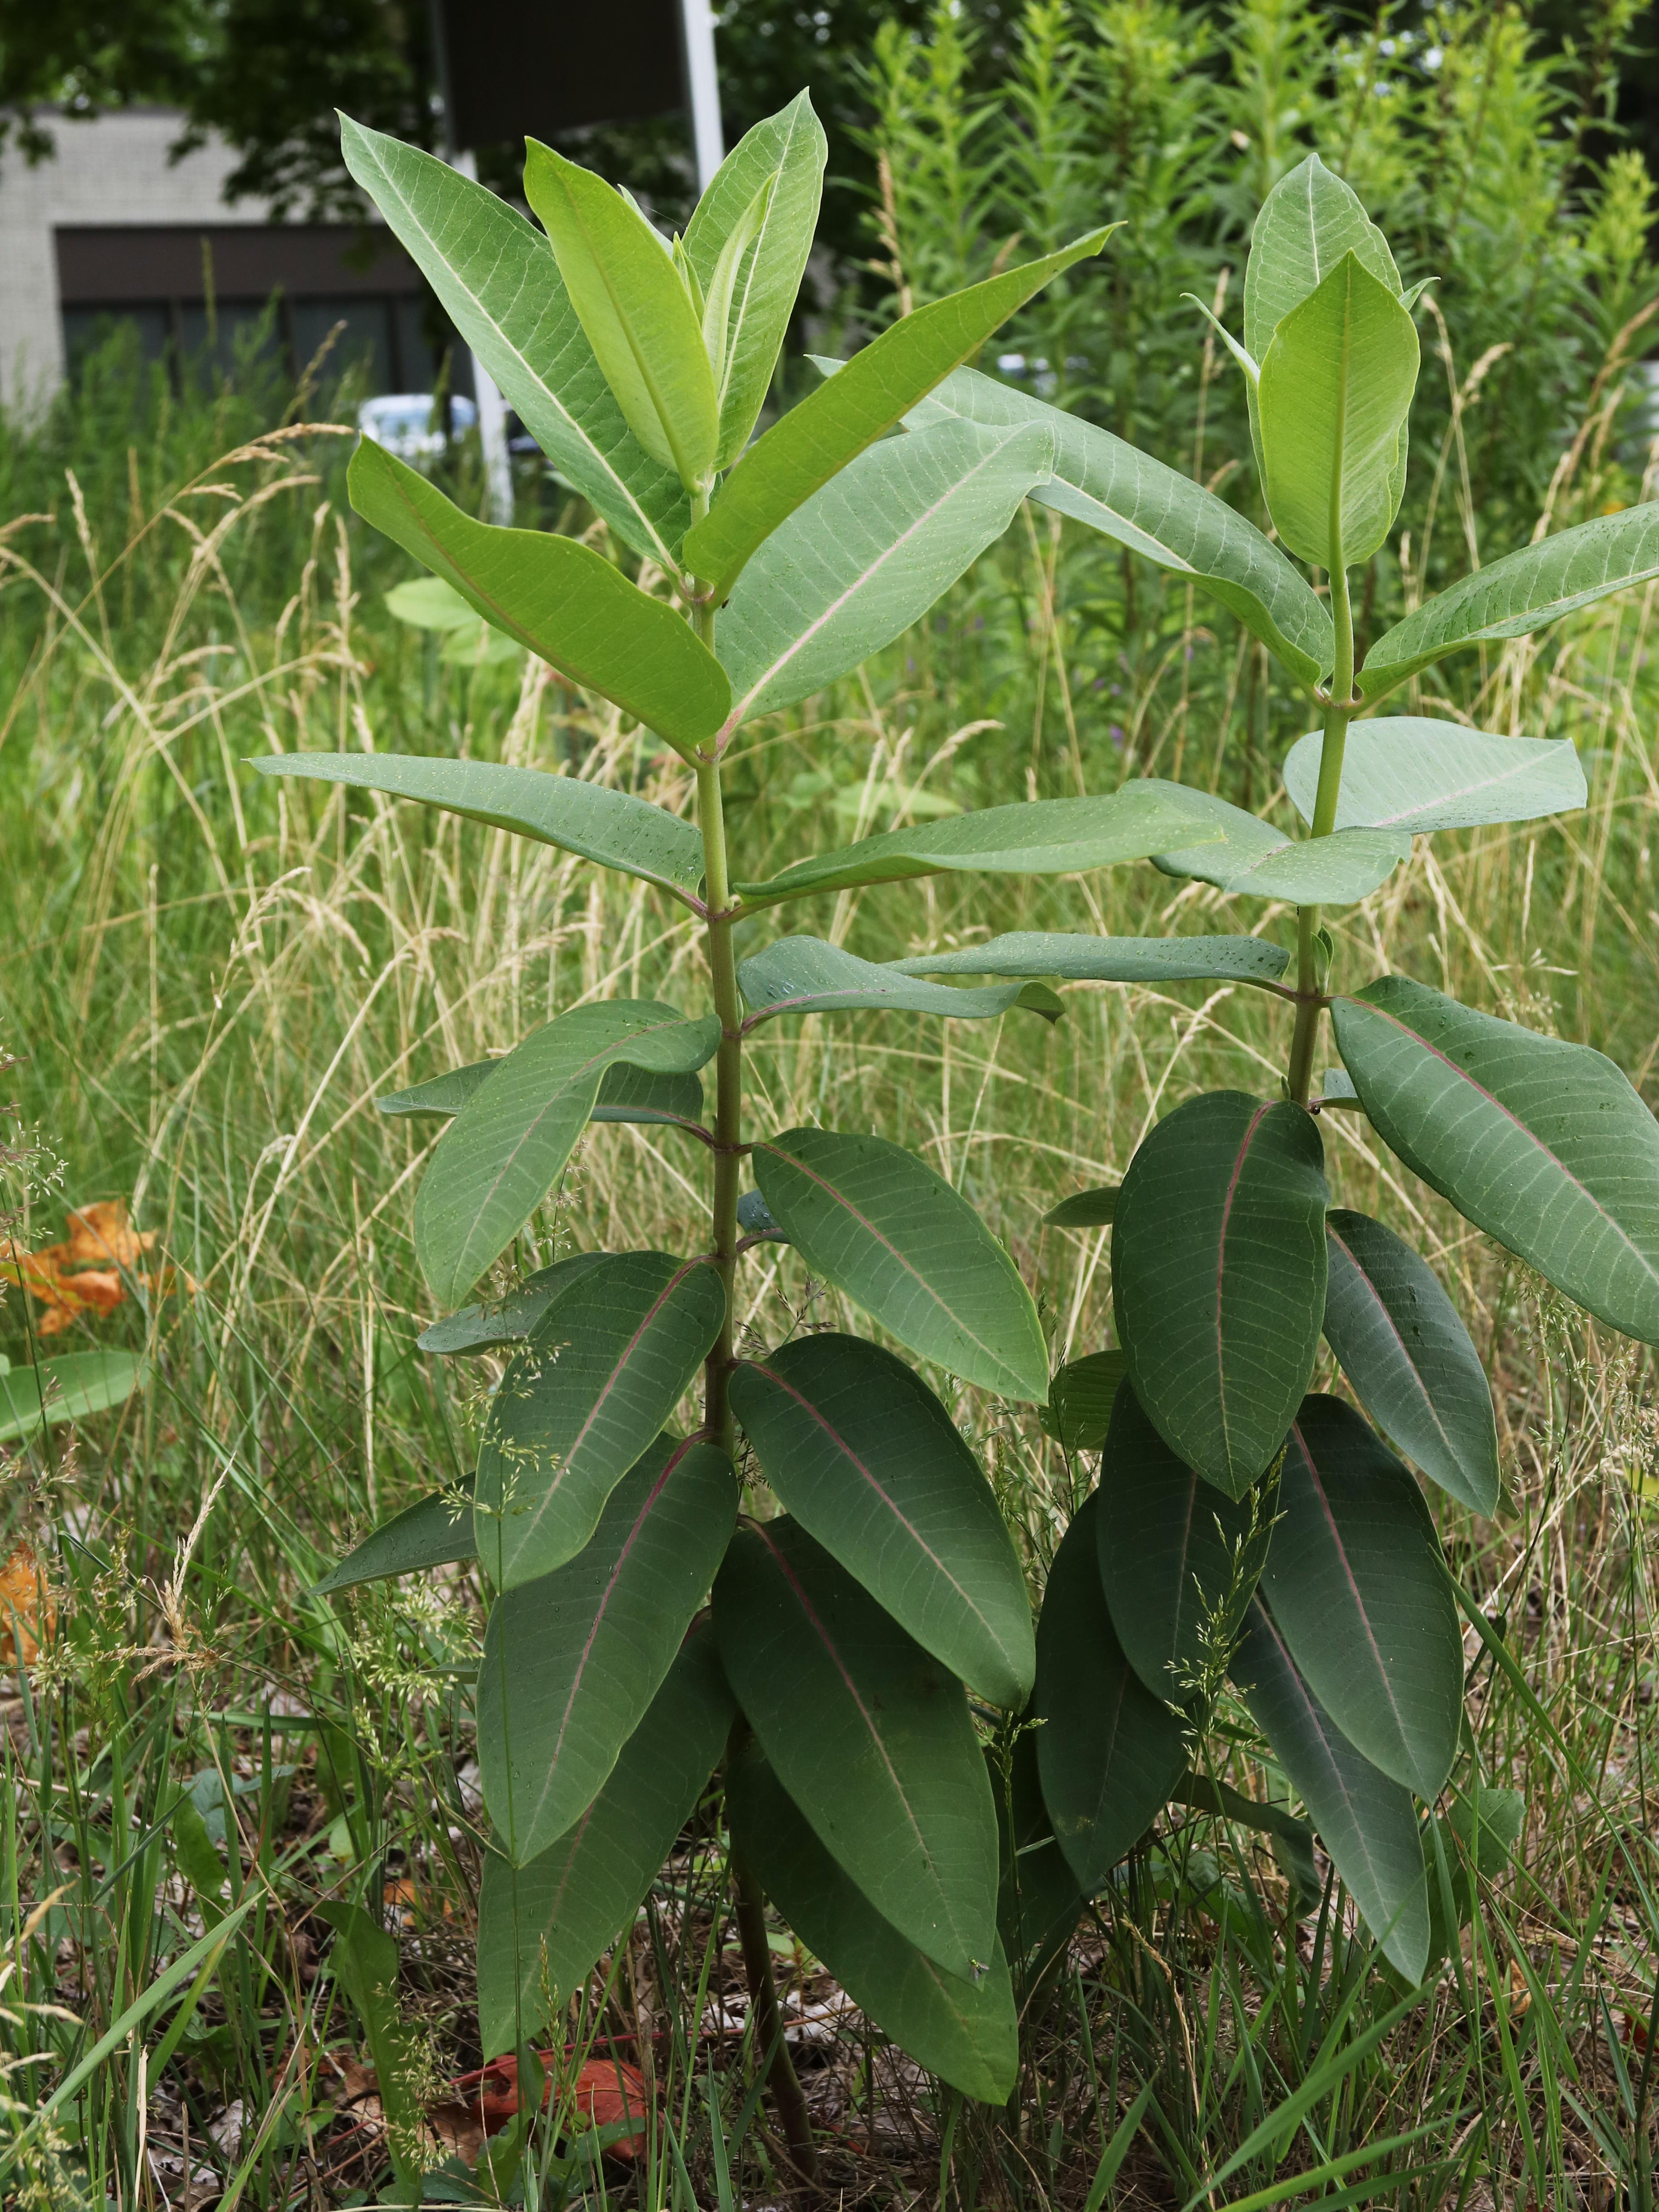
(1408, 773)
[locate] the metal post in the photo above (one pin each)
(492, 409)
(698, 24)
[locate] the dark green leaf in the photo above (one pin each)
(364, 1959)
(575, 1899)
(1085, 1209)
(610, 827)
(432, 1533)
(1522, 591)
(572, 1659)
(509, 1320)
(817, 438)
(68, 1388)
(1361, 1597)
(1409, 773)
(1109, 1752)
(587, 1396)
(1156, 512)
(805, 976)
(1366, 1822)
(555, 595)
(500, 285)
(1110, 959)
(508, 1144)
(1544, 1145)
(1038, 1900)
(1218, 1278)
(1080, 1399)
(443, 1096)
(869, 554)
(1403, 1347)
(1253, 857)
(875, 1221)
(869, 1736)
(961, 2030)
(1178, 1562)
(754, 1219)
(1040, 837)
(627, 1093)
(869, 1462)
(1477, 1839)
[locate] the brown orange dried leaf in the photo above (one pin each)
(28, 1612)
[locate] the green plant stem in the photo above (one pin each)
(1338, 712)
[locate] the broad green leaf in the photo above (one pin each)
(1178, 1562)
(572, 1659)
(1367, 1823)
(1478, 1837)
(1040, 837)
(1254, 858)
(1038, 1900)
(637, 315)
(610, 827)
(875, 1221)
(1156, 512)
(574, 1899)
(1306, 224)
(67, 1389)
(510, 1320)
(556, 595)
(1362, 1599)
(1522, 591)
(499, 283)
(586, 1396)
(1402, 1345)
(790, 147)
(433, 1532)
(1218, 1278)
(1074, 959)
(805, 976)
(963, 2031)
(443, 1096)
(869, 1463)
(1412, 774)
(1336, 387)
(869, 554)
(364, 1959)
(508, 1145)
(1542, 1144)
(428, 603)
(869, 1734)
(1109, 1753)
(1081, 1398)
(834, 425)
(625, 1094)
(1085, 1209)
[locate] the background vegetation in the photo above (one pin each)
(207, 980)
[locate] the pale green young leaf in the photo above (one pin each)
(791, 147)
(1522, 591)
(1336, 385)
(1544, 1145)
(434, 1531)
(869, 1734)
(1218, 1268)
(1246, 855)
(610, 827)
(590, 1393)
(428, 603)
(869, 554)
(68, 1388)
(557, 596)
(1310, 220)
(879, 1224)
(1416, 775)
(805, 976)
(866, 1458)
(1367, 1823)
(1109, 1752)
(576, 1897)
(1402, 1343)
(636, 311)
(1075, 959)
(501, 288)
(1153, 510)
(572, 1659)
(722, 283)
(508, 1145)
(1040, 837)
(833, 424)
(1361, 1595)
(966, 2031)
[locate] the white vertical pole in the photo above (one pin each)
(706, 135)
(492, 411)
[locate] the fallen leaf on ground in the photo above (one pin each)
(84, 1275)
(28, 1612)
(606, 2093)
